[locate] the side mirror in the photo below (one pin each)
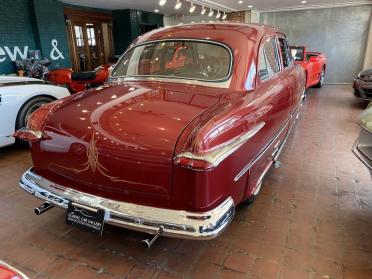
(314, 59)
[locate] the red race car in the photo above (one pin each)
(79, 81)
(314, 64)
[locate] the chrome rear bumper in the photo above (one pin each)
(166, 222)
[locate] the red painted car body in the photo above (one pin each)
(184, 145)
(9, 272)
(314, 64)
(64, 77)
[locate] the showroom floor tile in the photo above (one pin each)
(313, 218)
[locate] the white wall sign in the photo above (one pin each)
(17, 53)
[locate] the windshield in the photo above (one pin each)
(176, 59)
(298, 53)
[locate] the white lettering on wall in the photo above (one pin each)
(16, 52)
(2, 55)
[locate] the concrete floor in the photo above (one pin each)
(313, 218)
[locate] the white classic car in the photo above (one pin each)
(19, 97)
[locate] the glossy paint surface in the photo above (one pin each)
(313, 68)
(8, 272)
(119, 140)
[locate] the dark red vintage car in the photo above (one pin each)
(314, 64)
(193, 118)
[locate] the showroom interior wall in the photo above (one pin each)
(30, 25)
(127, 26)
(340, 32)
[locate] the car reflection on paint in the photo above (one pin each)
(363, 145)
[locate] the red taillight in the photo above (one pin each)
(195, 164)
(206, 160)
(37, 119)
(35, 125)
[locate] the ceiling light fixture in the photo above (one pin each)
(303, 2)
(250, 6)
(192, 8)
(224, 16)
(240, 2)
(178, 5)
(156, 10)
(211, 12)
(218, 15)
(203, 10)
(162, 2)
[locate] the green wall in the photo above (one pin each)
(35, 24)
(50, 25)
(127, 26)
(15, 30)
(29, 25)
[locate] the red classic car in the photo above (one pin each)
(79, 81)
(9, 272)
(314, 64)
(171, 145)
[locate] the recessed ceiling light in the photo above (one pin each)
(162, 2)
(156, 10)
(178, 5)
(250, 6)
(211, 12)
(303, 2)
(192, 8)
(240, 2)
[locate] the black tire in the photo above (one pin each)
(321, 79)
(252, 198)
(29, 107)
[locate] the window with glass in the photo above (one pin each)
(177, 59)
(91, 35)
(79, 36)
(297, 53)
(286, 55)
(268, 62)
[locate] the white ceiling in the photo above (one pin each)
(227, 5)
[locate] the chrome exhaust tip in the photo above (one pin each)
(43, 208)
(147, 243)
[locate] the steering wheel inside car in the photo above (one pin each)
(211, 68)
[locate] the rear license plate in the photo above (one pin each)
(83, 217)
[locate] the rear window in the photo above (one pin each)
(177, 59)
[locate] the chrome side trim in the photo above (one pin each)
(215, 157)
(166, 222)
(262, 152)
(9, 267)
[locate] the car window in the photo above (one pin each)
(286, 54)
(298, 53)
(268, 62)
(206, 61)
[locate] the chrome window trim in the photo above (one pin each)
(228, 48)
(264, 41)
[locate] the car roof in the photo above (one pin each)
(219, 31)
